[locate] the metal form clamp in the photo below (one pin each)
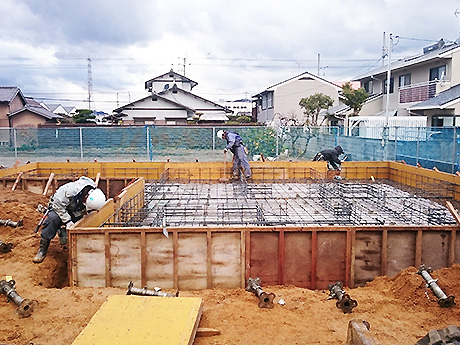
(443, 299)
(344, 301)
(265, 299)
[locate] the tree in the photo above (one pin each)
(83, 116)
(353, 98)
(313, 104)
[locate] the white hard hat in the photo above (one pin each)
(220, 134)
(95, 199)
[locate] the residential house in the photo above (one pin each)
(11, 99)
(425, 85)
(19, 111)
(32, 115)
(282, 99)
(240, 107)
(171, 102)
(59, 109)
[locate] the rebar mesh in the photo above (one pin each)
(166, 203)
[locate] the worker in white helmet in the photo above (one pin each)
(68, 205)
(236, 146)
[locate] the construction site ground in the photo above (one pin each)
(399, 309)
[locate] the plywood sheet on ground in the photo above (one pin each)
(143, 320)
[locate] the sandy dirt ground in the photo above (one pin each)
(400, 309)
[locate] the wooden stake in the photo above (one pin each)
(48, 184)
(453, 211)
(98, 176)
(206, 332)
(17, 181)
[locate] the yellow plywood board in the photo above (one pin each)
(143, 320)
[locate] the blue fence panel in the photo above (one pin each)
(428, 146)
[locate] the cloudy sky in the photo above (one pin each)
(232, 49)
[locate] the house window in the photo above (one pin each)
(270, 100)
(437, 121)
(264, 102)
(404, 80)
(438, 73)
(368, 86)
(154, 98)
(391, 85)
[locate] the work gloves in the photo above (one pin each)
(69, 225)
(225, 150)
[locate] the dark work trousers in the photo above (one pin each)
(51, 225)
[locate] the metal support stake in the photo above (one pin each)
(5, 247)
(9, 222)
(15, 144)
(443, 299)
(345, 302)
(144, 292)
(25, 306)
(265, 299)
(81, 144)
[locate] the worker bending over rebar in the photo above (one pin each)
(236, 146)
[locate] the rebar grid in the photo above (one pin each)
(168, 203)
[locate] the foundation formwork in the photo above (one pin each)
(174, 225)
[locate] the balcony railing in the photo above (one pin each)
(417, 92)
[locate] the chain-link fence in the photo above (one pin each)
(429, 147)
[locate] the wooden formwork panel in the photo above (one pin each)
(217, 257)
(159, 261)
(226, 260)
(368, 250)
(435, 249)
(400, 251)
(192, 261)
(90, 261)
(264, 256)
(331, 258)
(296, 269)
(125, 259)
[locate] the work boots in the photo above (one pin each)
(42, 250)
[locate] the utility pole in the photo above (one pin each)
(90, 84)
(319, 55)
(184, 63)
(384, 53)
(387, 110)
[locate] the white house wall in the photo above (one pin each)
(287, 96)
(190, 101)
(156, 110)
(159, 86)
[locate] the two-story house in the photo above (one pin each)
(19, 111)
(283, 98)
(427, 84)
(171, 102)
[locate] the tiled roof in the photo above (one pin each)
(7, 93)
(39, 111)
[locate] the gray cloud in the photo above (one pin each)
(233, 48)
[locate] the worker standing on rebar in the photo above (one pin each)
(68, 205)
(331, 156)
(236, 146)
